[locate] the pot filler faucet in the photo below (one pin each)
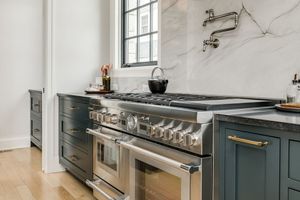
(214, 42)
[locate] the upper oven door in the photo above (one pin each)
(160, 173)
(110, 160)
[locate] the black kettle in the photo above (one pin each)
(159, 84)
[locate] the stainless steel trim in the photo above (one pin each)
(92, 184)
(188, 115)
(186, 168)
(100, 135)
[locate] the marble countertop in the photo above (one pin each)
(268, 118)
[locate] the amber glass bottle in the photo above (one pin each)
(106, 80)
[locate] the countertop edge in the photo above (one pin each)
(258, 122)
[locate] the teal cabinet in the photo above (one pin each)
(294, 194)
(256, 163)
(251, 166)
(75, 145)
(36, 118)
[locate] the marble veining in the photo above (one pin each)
(258, 59)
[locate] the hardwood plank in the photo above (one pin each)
(25, 193)
(21, 178)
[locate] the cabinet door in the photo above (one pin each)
(251, 167)
(294, 194)
(36, 131)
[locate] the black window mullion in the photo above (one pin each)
(151, 30)
(138, 32)
(125, 38)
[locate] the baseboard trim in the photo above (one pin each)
(54, 166)
(14, 143)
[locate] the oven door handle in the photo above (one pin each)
(92, 184)
(184, 167)
(100, 135)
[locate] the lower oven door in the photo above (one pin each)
(104, 191)
(160, 173)
(110, 160)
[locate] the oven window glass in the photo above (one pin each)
(107, 154)
(155, 184)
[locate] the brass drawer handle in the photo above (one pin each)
(37, 105)
(248, 142)
(74, 158)
(36, 130)
(74, 108)
(73, 130)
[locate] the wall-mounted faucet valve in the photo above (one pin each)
(211, 15)
(211, 42)
(211, 18)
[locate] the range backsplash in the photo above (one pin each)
(258, 59)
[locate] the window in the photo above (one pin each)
(139, 33)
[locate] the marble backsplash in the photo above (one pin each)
(258, 59)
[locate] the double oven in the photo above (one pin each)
(132, 163)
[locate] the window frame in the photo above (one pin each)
(125, 65)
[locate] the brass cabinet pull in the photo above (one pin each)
(74, 108)
(248, 142)
(74, 158)
(73, 130)
(36, 130)
(37, 105)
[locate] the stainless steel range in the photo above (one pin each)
(156, 147)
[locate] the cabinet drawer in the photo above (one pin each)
(36, 103)
(294, 194)
(74, 156)
(294, 160)
(36, 129)
(74, 131)
(75, 109)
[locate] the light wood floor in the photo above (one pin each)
(21, 178)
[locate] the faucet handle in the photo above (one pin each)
(205, 44)
(210, 12)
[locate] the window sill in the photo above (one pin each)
(133, 72)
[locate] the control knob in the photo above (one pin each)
(100, 116)
(107, 118)
(152, 130)
(178, 136)
(131, 122)
(189, 139)
(168, 134)
(114, 119)
(159, 132)
(93, 115)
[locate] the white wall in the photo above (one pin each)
(21, 67)
(81, 42)
(77, 44)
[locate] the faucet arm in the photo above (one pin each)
(235, 14)
(213, 18)
(236, 21)
(221, 31)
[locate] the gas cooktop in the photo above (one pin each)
(199, 102)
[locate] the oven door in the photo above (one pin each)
(161, 173)
(110, 160)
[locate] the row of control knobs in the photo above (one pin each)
(104, 117)
(166, 133)
(175, 136)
